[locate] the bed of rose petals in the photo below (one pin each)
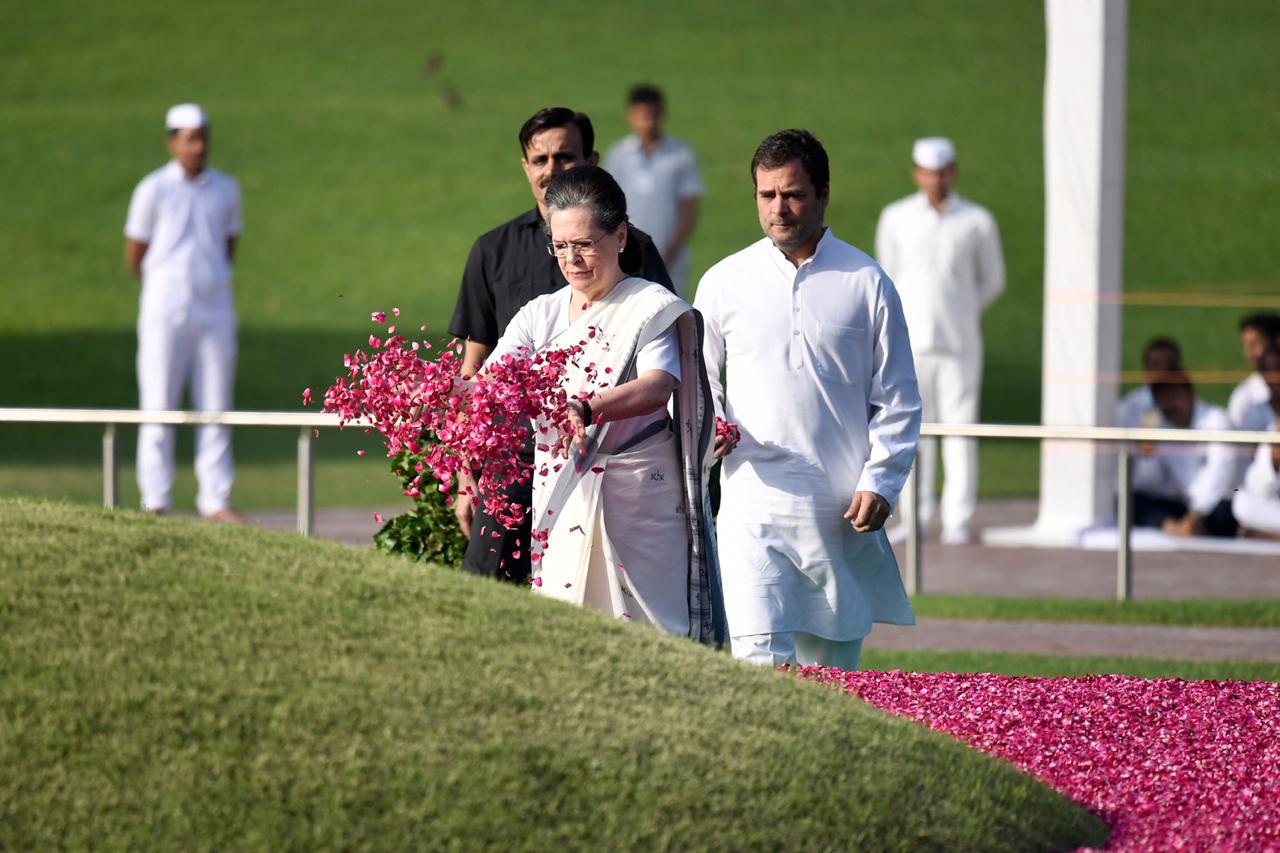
(422, 406)
(1168, 764)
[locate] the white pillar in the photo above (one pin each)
(1084, 111)
(1084, 107)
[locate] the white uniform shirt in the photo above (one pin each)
(947, 266)
(1249, 406)
(186, 223)
(821, 379)
(1200, 474)
(545, 317)
(655, 183)
(1135, 407)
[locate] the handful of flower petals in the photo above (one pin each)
(448, 424)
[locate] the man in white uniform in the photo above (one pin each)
(810, 333)
(1256, 505)
(1249, 403)
(180, 239)
(943, 252)
(1184, 489)
(661, 180)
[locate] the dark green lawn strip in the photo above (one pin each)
(1238, 613)
(1048, 666)
(176, 685)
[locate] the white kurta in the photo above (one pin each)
(1246, 400)
(1202, 475)
(186, 323)
(948, 267)
(1257, 504)
(821, 382)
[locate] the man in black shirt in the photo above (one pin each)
(507, 268)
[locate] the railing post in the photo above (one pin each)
(306, 504)
(915, 568)
(1124, 523)
(110, 480)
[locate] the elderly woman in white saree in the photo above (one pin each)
(626, 515)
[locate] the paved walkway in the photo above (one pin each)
(1020, 572)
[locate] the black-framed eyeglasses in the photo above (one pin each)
(582, 248)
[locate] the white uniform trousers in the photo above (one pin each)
(199, 349)
(797, 647)
(1257, 511)
(950, 389)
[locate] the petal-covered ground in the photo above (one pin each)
(1168, 764)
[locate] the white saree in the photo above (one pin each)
(629, 531)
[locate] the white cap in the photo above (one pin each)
(186, 116)
(933, 152)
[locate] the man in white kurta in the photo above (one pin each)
(1248, 406)
(180, 236)
(944, 254)
(820, 381)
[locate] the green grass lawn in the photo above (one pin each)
(364, 189)
(1215, 612)
(171, 684)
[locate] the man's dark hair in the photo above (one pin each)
(549, 117)
(782, 147)
(1162, 344)
(1266, 324)
(596, 190)
(645, 93)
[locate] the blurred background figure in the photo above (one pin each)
(1183, 489)
(661, 180)
(1257, 504)
(1161, 359)
(1249, 406)
(180, 239)
(943, 253)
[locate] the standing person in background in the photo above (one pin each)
(661, 179)
(180, 239)
(811, 336)
(1249, 406)
(508, 267)
(943, 252)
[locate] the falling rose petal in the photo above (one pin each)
(566, 586)
(377, 517)
(515, 554)
(306, 396)
(315, 433)
(395, 311)
(537, 581)
(359, 453)
(597, 470)
(378, 316)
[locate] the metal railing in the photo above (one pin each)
(112, 418)
(913, 570)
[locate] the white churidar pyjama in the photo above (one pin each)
(797, 648)
(950, 388)
(198, 348)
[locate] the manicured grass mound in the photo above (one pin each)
(167, 683)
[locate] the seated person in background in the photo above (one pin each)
(1182, 488)
(1257, 505)
(1161, 358)
(1248, 404)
